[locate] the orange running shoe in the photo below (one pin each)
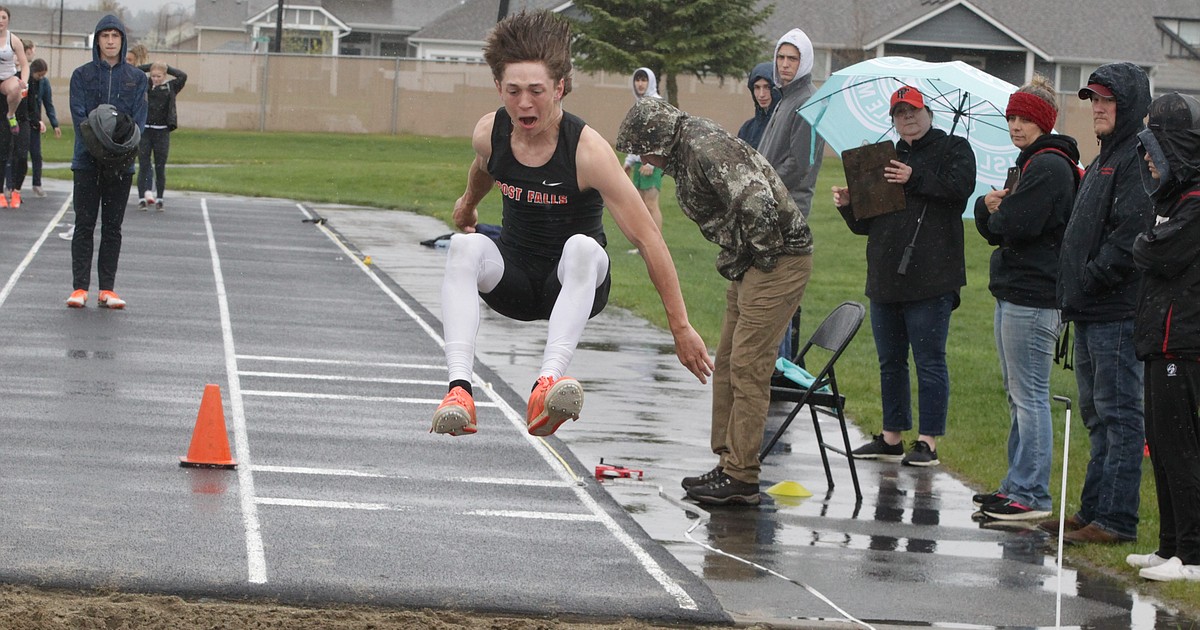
(553, 402)
(16, 199)
(3, 200)
(78, 298)
(456, 414)
(109, 299)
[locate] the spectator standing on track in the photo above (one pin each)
(102, 192)
(18, 156)
(1167, 332)
(161, 120)
(549, 262)
(1097, 291)
(915, 270)
(1026, 225)
(741, 205)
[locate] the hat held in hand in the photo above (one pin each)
(111, 137)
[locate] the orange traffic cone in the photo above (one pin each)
(210, 444)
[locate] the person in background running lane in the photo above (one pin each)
(14, 68)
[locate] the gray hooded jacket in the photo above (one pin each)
(722, 184)
(788, 142)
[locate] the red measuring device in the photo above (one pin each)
(614, 471)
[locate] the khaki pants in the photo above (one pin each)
(757, 310)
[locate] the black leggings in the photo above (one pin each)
(158, 142)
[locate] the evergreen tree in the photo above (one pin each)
(671, 37)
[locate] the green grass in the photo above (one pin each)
(426, 175)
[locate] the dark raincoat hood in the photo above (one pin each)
(651, 128)
(764, 70)
(109, 22)
(1172, 140)
(1131, 88)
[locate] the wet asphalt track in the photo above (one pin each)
(329, 377)
(329, 374)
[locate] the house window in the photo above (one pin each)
(1187, 30)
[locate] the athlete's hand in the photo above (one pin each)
(465, 216)
(647, 170)
(693, 354)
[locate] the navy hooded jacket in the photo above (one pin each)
(1097, 279)
(752, 130)
(96, 82)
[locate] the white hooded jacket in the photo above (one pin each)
(651, 92)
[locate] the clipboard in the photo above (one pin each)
(870, 194)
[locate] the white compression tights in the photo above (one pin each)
(474, 265)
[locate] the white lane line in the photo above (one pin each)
(545, 516)
(377, 507)
(404, 366)
(335, 472)
(335, 377)
(256, 560)
(332, 505)
(37, 245)
(312, 395)
(346, 472)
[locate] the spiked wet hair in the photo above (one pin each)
(538, 36)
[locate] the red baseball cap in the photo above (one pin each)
(1099, 90)
(909, 95)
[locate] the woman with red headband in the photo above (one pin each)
(1025, 223)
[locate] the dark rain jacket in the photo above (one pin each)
(789, 142)
(96, 82)
(942, 181)
(751, 131)
(160, 108)
(1167, 324)
(722, 184)
(1028, 227)
(1097, 280)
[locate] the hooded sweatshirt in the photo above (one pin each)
(752, 130)
(788, 142)
(1167, 324)
(1097, 280)
(1028, 227)
(722, 184)
(632, 160)
(96, 82)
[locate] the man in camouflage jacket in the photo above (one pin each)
(741, 205)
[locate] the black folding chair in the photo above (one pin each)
(821, 390)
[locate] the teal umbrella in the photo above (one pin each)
(852, 109)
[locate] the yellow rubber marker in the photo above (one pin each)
(789, 489)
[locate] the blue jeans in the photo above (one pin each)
(921, 325)
(1025, 339)
(1109, 377)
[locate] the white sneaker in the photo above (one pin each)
(149, 197)
(1172, 570)
(1144, 561)
(37, 190)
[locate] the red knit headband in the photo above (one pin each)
(1032, 108)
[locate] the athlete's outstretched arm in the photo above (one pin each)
(600, 169)
(479, 182)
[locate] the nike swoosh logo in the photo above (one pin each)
(546, 183)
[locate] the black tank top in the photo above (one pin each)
(543, 206)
